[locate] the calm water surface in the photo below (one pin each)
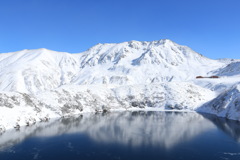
(126, 135)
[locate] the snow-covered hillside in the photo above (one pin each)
(36, 85)
(69, 100)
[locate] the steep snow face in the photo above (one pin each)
(127, 63)
(226, 104)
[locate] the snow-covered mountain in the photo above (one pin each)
(127, 63)
(40, 84)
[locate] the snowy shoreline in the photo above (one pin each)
(52, 119)
(147, 109)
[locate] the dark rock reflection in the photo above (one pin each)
(230, 127)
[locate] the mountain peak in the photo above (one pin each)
(136, 52)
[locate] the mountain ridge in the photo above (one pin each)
(119, 63)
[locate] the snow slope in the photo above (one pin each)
(36, 85)
(231, 69)
(31, 71)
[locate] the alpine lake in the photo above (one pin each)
(128, 135)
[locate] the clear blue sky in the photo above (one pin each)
(210, 27)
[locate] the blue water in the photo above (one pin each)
(126, 135)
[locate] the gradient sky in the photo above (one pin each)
(210, 27)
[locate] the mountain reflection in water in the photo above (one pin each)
(230, 127)
(138, 128)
